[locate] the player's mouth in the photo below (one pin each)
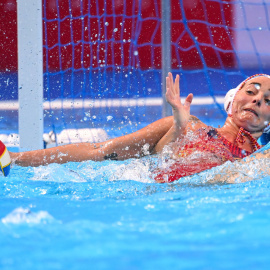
(252, 111)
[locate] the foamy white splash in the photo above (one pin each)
(241, 171)
(26, 216)
(56, 173)
(136, 169)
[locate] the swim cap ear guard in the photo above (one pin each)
(229, 100)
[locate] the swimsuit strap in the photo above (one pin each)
(234, 149)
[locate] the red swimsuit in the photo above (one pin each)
(216, 151)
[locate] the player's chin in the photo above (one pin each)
(254, 127)
(250, 120)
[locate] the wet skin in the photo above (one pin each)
(251, 106)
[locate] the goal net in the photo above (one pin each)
(103, 58)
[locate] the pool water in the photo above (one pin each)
(111, 215)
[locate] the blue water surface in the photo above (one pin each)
(111, 215)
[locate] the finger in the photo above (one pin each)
(177, 85)
(169, 92)
(171, 82)
(168, 84)
(168, 96)
(188, 100)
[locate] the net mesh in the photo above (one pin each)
(104, 55)
(110, 51)
(102, 58)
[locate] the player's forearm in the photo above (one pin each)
(179, 125)
(165, 140)
(173, 134)
(60, 154)
(29, 158)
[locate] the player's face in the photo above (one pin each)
(251, 105)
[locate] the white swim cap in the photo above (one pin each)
(229, 98)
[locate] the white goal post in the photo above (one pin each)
(30, 70)
(30, 73)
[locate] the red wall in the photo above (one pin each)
(8, 35)
(86, 47)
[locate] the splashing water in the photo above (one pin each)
(74, 215)
(25, 215)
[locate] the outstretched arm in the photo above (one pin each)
(181, 113)
(134, 145)
(153, 137)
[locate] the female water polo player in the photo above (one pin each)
(194, 147)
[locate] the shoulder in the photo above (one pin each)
(195, 123)
(194, 119)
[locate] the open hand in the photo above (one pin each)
(181, 111)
